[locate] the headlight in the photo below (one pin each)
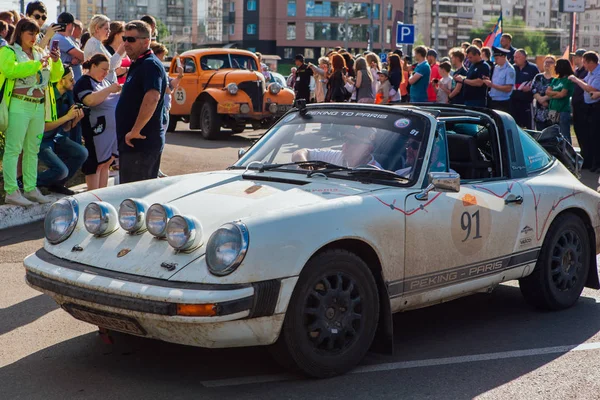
(157, 217)
(273, 108)
(132, 215)
(227, 248)
(232, 88)
(274, 88)
(100, 218)
(244, 108)
(61, 220)
(184, 233)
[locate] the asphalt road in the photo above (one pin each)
(486, 346)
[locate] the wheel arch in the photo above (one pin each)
(383, 342)
(592, 279)
(197, 107)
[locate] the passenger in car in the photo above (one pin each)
(357, 150)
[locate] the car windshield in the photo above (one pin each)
(348, 139)
(221, 61)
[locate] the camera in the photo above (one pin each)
(81, 106)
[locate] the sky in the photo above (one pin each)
(51, 5)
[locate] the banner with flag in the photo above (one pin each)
(493, 39)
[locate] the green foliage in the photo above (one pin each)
(162, 30)
(536, 42)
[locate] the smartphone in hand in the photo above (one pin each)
(54, 46)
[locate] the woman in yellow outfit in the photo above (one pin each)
(25, 75)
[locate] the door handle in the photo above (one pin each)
(514, 200)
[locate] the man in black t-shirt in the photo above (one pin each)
(303, 74)
(474, 89)
(457, 57)
(140, 113)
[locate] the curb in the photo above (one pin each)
(11, 216)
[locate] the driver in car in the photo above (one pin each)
(412, 152)
(357, 150)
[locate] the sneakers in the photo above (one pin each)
(17, 199)
(61, 189)
(36, 196)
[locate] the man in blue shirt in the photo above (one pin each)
(522, 98)
(474, 88)
(419, 81)
(503, 81)
(140, 111)
(590, 84)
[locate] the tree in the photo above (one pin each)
(162, 30)
(535, 42)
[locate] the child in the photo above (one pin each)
(444, 85)
(383, 93)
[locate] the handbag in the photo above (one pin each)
(554, 116)
(3, 109)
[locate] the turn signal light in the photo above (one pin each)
(197, 310)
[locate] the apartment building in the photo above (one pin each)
(83, 10)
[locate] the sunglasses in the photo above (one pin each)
(38, 16)
(133, 39)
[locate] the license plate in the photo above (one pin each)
(283, 108)
(105, 320)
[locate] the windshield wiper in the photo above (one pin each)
(324, 164)
(376, 174)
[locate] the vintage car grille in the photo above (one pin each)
(255, 90)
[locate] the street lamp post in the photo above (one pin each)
(437, 25)
(346, 25)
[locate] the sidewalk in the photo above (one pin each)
(16, 215)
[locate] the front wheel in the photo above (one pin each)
(210, 122)
(562, 268)
(332, 316)
(172, 123)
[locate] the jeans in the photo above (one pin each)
(138, 166)
(579, 117)
(75, 133)
(24, 133)
(565, 125)
(63, 157)
(521, 112)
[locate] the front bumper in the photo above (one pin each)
(246, 314)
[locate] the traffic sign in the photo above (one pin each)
(383, 56)
(405, 34)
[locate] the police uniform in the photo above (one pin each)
(502, 75)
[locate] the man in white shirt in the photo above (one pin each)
(356, 150)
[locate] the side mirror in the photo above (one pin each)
(440, 182)
(241, 153)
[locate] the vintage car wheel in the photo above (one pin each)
(562, 268)
(238, 128)
(210, 122)
(332, 316)
(172, 123)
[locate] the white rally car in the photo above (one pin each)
(338, 217)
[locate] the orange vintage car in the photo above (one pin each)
(224, 88)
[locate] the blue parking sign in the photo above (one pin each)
(405, 34)
(383, 57)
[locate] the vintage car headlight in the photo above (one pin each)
(273, 108)
(61, 219)
(245, 108)
(184, 233)
(274, 88)
(157, 217)
(227, 248)
(132, 215)
(232, 88)
(100, 218)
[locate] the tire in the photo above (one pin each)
(172, 123)
(210, 122)
(562, 268)
(238, 128)
(321, 335)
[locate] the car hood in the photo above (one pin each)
(213, 199)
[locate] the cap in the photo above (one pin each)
(299, 57)
(499, 51)
(384, 72)
(579, 52)
(65, 18)
(432, 52)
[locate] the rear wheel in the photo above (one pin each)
(332, 316)
(562, 268)
(210, 122)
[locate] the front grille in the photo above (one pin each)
(255, 90)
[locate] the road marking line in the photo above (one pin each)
(412, 364)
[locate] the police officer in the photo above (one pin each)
(503, 81)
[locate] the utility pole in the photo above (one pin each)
(383, 28)
(437, 25)
(346, 25)
(371, 37)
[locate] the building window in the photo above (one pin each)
(251, 29)
(389, 12)
(586, 42)
(388, 35)
(596, 41)
(252, 50)
(232, 29)
(309, 53)
(310, 31)
(291, 31)
(232, 6)
(338, 9)
(288, 52)
(291, 8)
(251, 5)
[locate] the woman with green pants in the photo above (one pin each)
(25, 73)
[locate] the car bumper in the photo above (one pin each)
(245, 315)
